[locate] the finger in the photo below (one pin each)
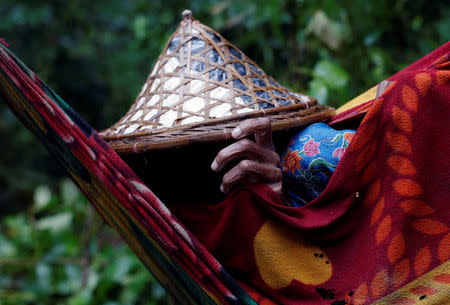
(247, 172)
(277, 187)
(247, 149)
(261, 128)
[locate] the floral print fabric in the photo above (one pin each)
(310, 160)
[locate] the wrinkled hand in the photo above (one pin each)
(257, 161)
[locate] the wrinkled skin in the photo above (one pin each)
(251, 161)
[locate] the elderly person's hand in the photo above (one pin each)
(257, 161)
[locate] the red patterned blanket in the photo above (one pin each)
(379, 233)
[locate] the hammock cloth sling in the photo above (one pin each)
(401, 257)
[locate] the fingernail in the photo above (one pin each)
(222, 188)
(214, 166)
(237, 132)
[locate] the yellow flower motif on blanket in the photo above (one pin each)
(282, 256)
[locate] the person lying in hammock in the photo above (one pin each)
(376, 230)
(379, 232)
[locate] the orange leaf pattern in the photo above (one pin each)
(422, 261)
(442, 278)
(423, 290)
(360, 295)
(401, 165)
(406, 187)
(430, 226)
(444, 249)
(373, 192)
(409, 98)
(402, 119)
(442, 77)
(416, 207)
(398, 142)
(401, 273)
(396, 248)
(423, 81)
(379, 284)
(377, 211)
(364, 157)
(383, 229)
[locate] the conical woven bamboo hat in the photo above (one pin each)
(199, 89)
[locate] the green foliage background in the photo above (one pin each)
(97, 54)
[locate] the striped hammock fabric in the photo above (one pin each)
(182, 265)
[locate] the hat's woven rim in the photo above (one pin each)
(215, 133)
(257, 113)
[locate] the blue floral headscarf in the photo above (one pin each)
(310, 160)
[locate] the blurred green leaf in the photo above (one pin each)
(69, 192)
(55, 223)
(92, 280)
(82, 297)
(119, 268)
(140, 25)
(331, 74)
(318, 89)
(44, 278)
(42, 196)
(18, 229)
(331, 34)
(72, 279)
(7, 248)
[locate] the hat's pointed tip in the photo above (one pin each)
(187, 15)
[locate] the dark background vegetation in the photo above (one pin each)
(54, 249)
